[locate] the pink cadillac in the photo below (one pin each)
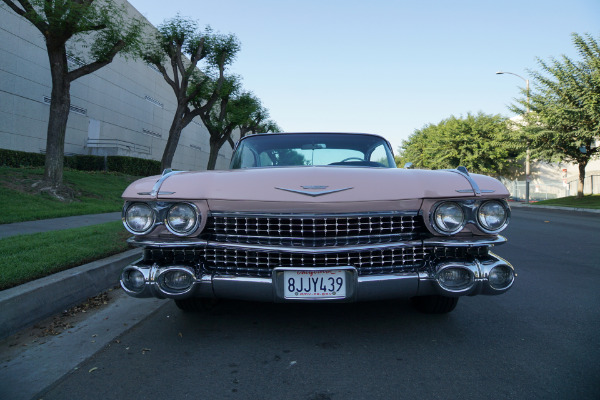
(317, 217)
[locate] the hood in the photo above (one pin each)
(312, 184)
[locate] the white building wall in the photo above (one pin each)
(125, 108)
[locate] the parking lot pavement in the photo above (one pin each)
(36, 358)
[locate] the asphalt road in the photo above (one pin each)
(541, 340)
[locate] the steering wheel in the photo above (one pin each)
(352, 158)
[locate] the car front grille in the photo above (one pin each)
(313, 230)
(251, 262)
(255, 244)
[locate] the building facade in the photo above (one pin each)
(125, 108)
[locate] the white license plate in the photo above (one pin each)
(314, 284)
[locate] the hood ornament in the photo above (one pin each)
(309, 190)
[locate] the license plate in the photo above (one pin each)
(314, 284)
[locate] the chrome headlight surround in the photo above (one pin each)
(493, 216)
(182, 219)
(448, 217)
(139, 210)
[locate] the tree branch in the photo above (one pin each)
(96, 65)
(28, 9)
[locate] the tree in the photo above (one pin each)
(476, 142)
(96, 31)
(234, 109)
(182, 45)
(564, 122)
(256, 120)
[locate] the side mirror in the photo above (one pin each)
(408, 165)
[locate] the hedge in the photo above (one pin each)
(123, 164)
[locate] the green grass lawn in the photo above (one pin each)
(590, 201)
(27, 257)
(99, 192)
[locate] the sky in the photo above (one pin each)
(382, 66)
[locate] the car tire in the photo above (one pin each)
(434, 304)
(195, 304)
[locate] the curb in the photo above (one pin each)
(26, 304)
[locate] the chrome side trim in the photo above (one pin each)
(471, 190)
(471, 242)
(279, 249)
(310, 215)
(464, 173)
(438, 241)
(156, 188)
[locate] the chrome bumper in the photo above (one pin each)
(363, 288)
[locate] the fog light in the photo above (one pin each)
(455, 279)
(501, 277)
(133, 280)
(178, 280)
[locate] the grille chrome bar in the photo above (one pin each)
(313, 229)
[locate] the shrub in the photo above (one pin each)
(133, 166)
(123, 164)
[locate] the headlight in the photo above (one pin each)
(182, 219)
(139, 218)
(448, 218)
(492, 216)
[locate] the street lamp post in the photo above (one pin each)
(527, 154)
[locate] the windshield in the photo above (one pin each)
(297, 149)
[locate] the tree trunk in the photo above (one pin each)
(60, 103)
(215, 146)
(173, 139)
(580, 184)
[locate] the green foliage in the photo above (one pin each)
(133, 166)
(16, 159)
(564, 122)
(27, 257)
(176, 51)
(85, 163)
(476, 142)
(97, 192)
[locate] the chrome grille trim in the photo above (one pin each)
(259, 263)
(313, 229)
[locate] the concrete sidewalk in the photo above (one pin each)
(56, 224)
(533, 206)
(24, 305)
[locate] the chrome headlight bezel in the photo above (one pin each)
(485, 227)
(151, 214)
(437, 220)
(197, 218)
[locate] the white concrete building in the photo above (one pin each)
(552, 180)
(125, 108)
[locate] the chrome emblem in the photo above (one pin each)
(314, 187)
